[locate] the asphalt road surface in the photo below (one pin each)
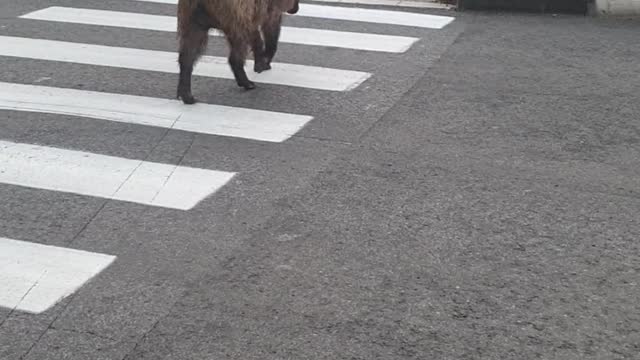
(432, 185)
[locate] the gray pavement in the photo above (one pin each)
(477, 198)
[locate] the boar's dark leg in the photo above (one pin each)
(192, 44)
(237, 58)
(271, 31)
(261, 63)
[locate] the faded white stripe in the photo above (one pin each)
(402, 18)
(375, 16)
(201, 118)
(393, 3)
(109, 177)
(305, 36)
(151, 60)
(34, 277)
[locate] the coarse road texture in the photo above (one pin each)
(458, 186)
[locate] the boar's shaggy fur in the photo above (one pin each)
(244, 24)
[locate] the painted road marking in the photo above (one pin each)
(34, 277)
(389, 17)
(200, 118)
(305, 36)
(162, 61)
(375, 16)
(395, 3)
(108, 177)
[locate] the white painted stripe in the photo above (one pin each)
(201, 118)
(424, 5)
(34, 277)
(210, 66)
(109, 177)
(618, 7)
(305, 36)
(395, 3)
(375, 16)
(363, 15)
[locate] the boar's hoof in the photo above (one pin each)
(248, 85)
(188, 99)
(261, 66)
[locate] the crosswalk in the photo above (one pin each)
(201, 118)
(362, 15)
(293, 35)
(312, 77)
(34, 277)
